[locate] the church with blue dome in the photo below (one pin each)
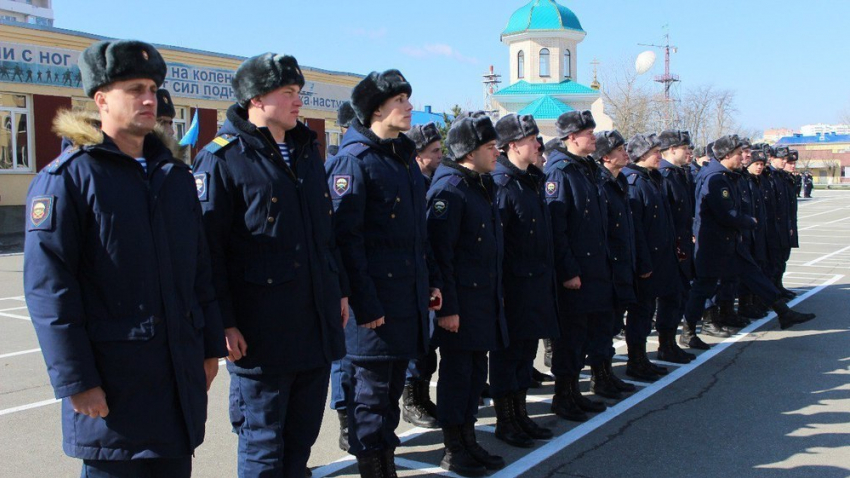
(542, 38)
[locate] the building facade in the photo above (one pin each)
(542, 38)
(39, 76)
(826, 156)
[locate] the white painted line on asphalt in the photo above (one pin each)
(556, 445)
(14, 316)
(422, 467)
(22, 352)
(14, 297)
(11, 254)
(815, 261)
(13, 308)
(28, 406)
(824, 223)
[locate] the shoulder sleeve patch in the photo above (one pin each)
(725, 193)
(202, 185)
(219, 142)
(41, 213)
(341, 184)
(440, 208)
(551, 189)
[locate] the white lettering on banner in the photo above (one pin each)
(35, 64)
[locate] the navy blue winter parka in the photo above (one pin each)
(378, 197)
(270, 230)
(579, 214)
(465, 232)
(528, 268)
(677, 189)
(719, 223)
(754, 194)
(654, 224)
(622, 243)
(118, 285)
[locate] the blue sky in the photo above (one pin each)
(787, 62)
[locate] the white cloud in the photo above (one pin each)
(437, 50)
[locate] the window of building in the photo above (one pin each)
(568, 73)
(8, 18)
(180, 122)
(15, 140)
(544, 62)
(520, 64)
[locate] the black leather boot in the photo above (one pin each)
(690, 339)
(668, 351)
(370, 464)
(525, 422)
(388, 463)
(456, 458)
(563, 404)
(467, 436)
(507, 427)
(728, 316)
(413, 409)
(711, 325)
(601, 384)
(658, 369)
(621, 385)
(343, 429)
(583, 402)
(638, 368)
(541, 377)
(748, 309)
(789, 317)
(547, 353)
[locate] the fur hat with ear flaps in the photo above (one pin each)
(607, 141)
(513, 127)
(261, 74)
(725, 145)
(345, 114)
(640, 144)
(424, 134)
(573, 122)
(106, 62)
(164, 106)
(469, 134)
(376, 88)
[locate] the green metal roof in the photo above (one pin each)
(542, 15)
(546, 108)
(566, 87)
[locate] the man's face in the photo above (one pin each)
(791, 166)
(128, 106)
(395, 113)
(678, 155)
(525, 150)
(167, 124)
(582, 143)
(703, 160)
(617, 158)
(735, 159)
(690, 155)
(540, 162)
(746, 155)
(778, 163)
(430, 157)
(280, 107)
(756, 168)
(483, 159)
(652, 159)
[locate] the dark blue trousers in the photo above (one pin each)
(422, 368)
(373, 409)
(463, 374)
(341, 371)
(748, 273)
(582, 336)
(277, 418)
(511, 368)
(146, 468)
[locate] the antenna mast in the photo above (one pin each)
(491, 79)
(667, 79)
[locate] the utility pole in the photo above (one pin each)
(491, 79)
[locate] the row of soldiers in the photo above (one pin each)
(140, 273)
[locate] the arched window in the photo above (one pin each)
(544, 62)
(568, 73)
(520, 65)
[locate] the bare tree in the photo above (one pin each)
(631, 104)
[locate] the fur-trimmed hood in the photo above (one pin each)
(82, 128)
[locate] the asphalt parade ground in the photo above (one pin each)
(762, 403)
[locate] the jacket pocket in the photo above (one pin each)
(272, 270)
(121, 330)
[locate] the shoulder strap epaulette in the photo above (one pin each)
(454, 180)
(353, 149)
(69, 154)
(562, 165)
(219, 143)
(502, 179)
(632, 178)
